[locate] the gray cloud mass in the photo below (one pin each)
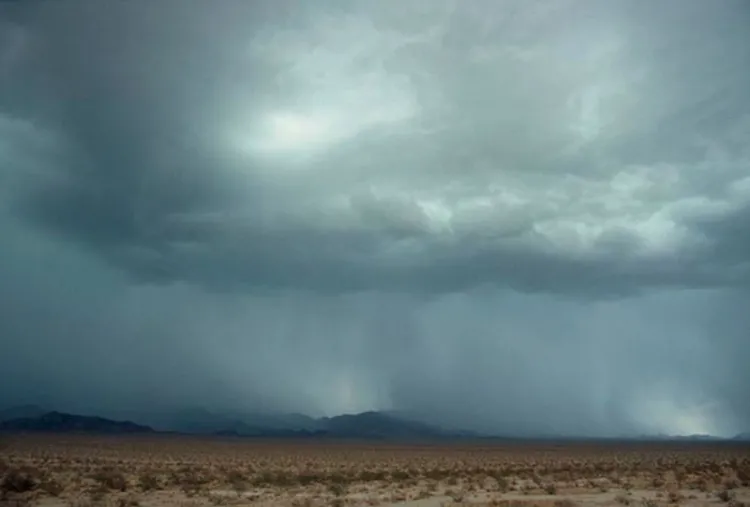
(509, 216)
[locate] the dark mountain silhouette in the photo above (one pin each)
(378, 425)
(202, 421)
(363, 426)
(367, 425)
(58, 422)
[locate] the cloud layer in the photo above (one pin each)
(503, 215)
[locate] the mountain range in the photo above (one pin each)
(367, 425)
(59, 422)
(370, 425)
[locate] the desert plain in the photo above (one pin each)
(180, 471)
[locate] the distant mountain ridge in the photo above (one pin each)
(59, 422)
(367, 425)
(370, 425)
(202, 421)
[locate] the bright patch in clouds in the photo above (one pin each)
(295, 132)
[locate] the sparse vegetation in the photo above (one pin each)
(84, 471)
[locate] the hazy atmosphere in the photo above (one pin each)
(518, 217)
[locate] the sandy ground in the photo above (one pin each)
(382, 496)
(54, 471)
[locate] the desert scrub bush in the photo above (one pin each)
(725, 495)
(19, 480)
(274, 478)
(457, 496)
(52, 487)
(732, 483)
(338, 478)
(400, 475)
(657, 482)
(437, 474)
(148, 481)
(307, 478)
(550, 489)
(373, 475)
(622, 499)
(423, 494)
(502, 483)
(674, 497)
(129, 501)
(111, 478)
(190, 480)
(337, 489)
(238, 482)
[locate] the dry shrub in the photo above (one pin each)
(435, 474)
(129, 501)
(190, 480)
(674, 497)
(337, 489)
(657, 482)
(373, 475)
(279, 478)
(502, 483)
(725, 495)
(622, 499)
(148, 481)
(457, 496)
(400, 475)
(732, 483)
(19, 480)
(307, 478)
(111, 478)
(52, 487)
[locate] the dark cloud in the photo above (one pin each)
(481, 212)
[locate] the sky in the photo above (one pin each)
(511, 216)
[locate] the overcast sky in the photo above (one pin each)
(511, 216)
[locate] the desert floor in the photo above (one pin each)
(166, 471)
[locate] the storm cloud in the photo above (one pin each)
(510, 216)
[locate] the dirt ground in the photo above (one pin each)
(171, 471)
